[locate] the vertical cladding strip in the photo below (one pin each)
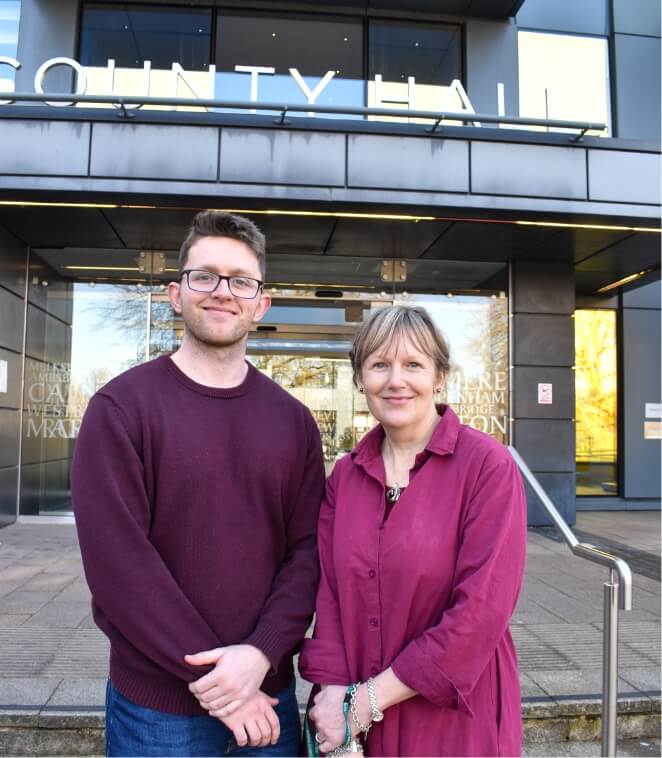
(218, 155)
(588, 175)
(511, 356)
(346, 161)
(89, 150)
(19, 476)
(470, 146)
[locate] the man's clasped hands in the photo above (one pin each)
(231, 693)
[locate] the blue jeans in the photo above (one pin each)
(132, 730)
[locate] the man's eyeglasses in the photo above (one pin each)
(207, 281)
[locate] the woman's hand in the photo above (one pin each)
(327, 715)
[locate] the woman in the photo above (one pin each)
(422, 538)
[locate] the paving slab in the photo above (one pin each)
(584, 683)
(26, 691)
(56, 615)
(49, 581)
(20, 601)
(644, 679)
(75, 692)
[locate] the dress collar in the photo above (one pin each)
(442, 441)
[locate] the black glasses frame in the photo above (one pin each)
(221, 277)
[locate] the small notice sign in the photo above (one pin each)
(653, 410)
(3, 376)
(544, 394)
(653, 430)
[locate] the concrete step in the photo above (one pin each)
(551, 727)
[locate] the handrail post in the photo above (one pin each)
(610, 665)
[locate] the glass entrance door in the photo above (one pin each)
(303, 344)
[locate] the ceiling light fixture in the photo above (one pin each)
(598, 227)
(621, 282)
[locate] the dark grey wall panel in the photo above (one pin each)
(637, 17)
(155, 152)
(11, 321)
(637, 93)
(12, 397)
(31, 476)
(282, 157)
(641, 385)
(49, 291)
(561, 490)
(543, 340)
(630, 177)
(491, 58)
(45, 148)
(35, 343)
(507, 169)
(47, 30)
(408, 163)
(9, 437)
(13, 254)
(647, 296)
(546, 445)
(525, 391)
(578, 16)
(48, 338)
(543, 288)
(8, 490)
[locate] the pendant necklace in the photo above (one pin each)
(393, 493)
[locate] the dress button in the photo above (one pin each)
(374, 622)
(372, 573)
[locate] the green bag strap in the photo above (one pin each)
(312, 746)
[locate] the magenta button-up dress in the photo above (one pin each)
(429, 592)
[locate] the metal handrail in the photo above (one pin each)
(617, 594)
(121, 102)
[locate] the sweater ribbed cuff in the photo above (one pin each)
(268, 639)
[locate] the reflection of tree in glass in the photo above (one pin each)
(291, 371)
(596, 384)
(326, 421)
(484, 381)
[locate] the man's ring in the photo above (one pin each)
(319, 740)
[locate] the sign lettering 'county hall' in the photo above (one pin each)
(104, 80)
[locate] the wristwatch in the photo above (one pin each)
(375, 713)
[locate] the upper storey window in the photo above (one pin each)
(10, 11)
(414, 66)
(265, 57)
(564, 77)
(133, 34)
(289, 58)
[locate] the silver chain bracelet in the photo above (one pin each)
(355, 714)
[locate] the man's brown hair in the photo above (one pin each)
(222, 224)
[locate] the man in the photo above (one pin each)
(196, 484)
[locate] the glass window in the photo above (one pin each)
(10, 11)
(133, 34)
(563, 76)
(311, 45)
(595, 397)
(416, 63)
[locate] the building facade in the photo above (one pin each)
(496, 161)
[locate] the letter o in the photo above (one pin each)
(81, 77)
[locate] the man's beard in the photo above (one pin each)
(206, 335)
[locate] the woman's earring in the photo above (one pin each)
(361, 390)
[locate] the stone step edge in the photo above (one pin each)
(542, 709)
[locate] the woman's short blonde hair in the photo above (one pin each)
(389, 325)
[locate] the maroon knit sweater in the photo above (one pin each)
(196, 511)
